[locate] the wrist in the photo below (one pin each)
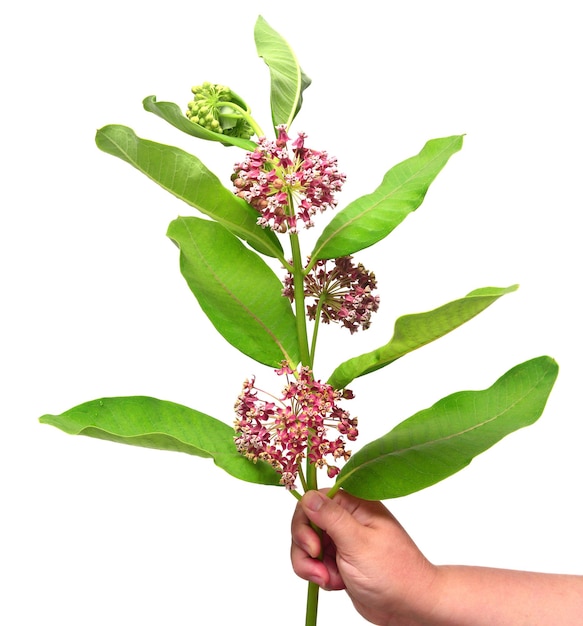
(417, 603)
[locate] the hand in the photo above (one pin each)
(364, 550)
(368, 553)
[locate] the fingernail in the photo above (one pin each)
(313, 500)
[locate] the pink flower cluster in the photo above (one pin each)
(283, 431)
(344, 294)
(284, 185)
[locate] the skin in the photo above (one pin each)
(390, 582)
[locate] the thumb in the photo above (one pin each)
(334, 519)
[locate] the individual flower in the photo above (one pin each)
(283, 431)
(342, 294)
(219, 109)
(286, 183)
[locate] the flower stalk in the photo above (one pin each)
(312, 604)
(310, 481)
(298, 289)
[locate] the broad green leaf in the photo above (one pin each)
(441, 440)
(184, 176)
(288, 82)
(237, 290)
(151, 423)
(372, 217)
(416, 330)
(173, 115)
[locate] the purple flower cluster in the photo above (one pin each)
(343, 294)
(283, 431)
(285, 184)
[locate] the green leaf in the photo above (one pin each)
(184, 176)
(237, 290)
(441, 440)
(288, 82)
(172, 114)
(151, 423)
(416, 330)
(372, 217)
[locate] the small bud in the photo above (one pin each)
(211, 108)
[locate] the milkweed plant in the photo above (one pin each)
(293, 427)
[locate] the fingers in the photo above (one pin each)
(305, 550)
(308, 568)
(303, 535)
(346, 523)
(338, 517)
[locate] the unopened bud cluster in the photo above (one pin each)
(343, 293)
(283, 431)
(212, 108)
(284, 184)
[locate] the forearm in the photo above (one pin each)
(476, 596)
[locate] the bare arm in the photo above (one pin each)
(390, 582)
(487, 596)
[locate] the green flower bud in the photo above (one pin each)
(220, 110)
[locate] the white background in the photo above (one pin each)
(94, 304)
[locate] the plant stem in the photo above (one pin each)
(313, 589)
(296, 494)
(316, 327)
(312, 605)
(298, 275)
(242, 113)
(302, 478)
(311, 481)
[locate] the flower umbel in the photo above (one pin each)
(219, 109)
(284, 184)
(343, 294)
(284, 431)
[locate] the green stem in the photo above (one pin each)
(296, 494)
(310, 266)
(242, 113)
(302, 478)
(310, 481)
(313, 589)
(312, 604)
(334, 489)
(316, 327)
(298, 275)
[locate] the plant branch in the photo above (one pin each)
(241, 113)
